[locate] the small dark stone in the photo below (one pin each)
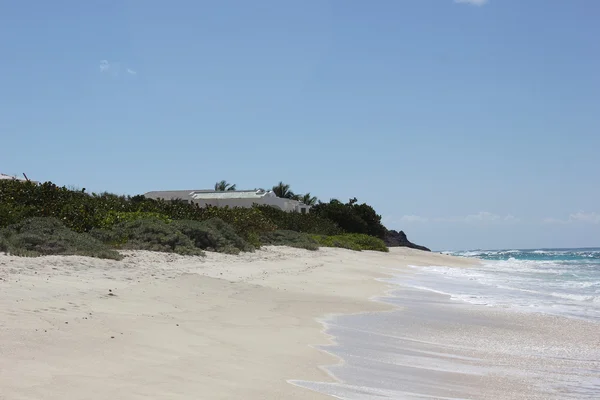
(66, 322)
(112, 337)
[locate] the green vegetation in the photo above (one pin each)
(352, 217)
(351, 241)
(148, 234)
(291, 239)
(283, 190)
(305, 223)
(48, 236)
(114, 217)
(48, 219)
(224, 186)
(213, 235)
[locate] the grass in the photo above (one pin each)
(351, 241)
(290, 238)
(48, 236)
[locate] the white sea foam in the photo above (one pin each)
(570, 287)
(431, 347)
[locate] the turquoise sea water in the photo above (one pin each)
(556, 281)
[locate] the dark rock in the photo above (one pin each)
(398, 239)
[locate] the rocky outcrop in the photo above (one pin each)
(398, 239)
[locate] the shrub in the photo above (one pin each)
(249, 223)
(305, 223)
(83, 212)
(352, 217)
(290, 238)
(114, 217)
(352, 241)
(148, 234)
(48, 236)
(214, 235)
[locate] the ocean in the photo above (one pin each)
(525, 324)
(555, 281)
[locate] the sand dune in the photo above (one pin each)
(164, 326)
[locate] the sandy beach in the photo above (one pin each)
(165, 326)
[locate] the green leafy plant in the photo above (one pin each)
(224, 186)
(352, 217)
(48, 236)
(305, 223)
(148, 234)
(214, 235)
(290, 238)
(351, 241)
(114, 217)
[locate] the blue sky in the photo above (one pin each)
(471, 124)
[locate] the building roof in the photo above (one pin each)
(171, 194)
(189, 195)
(12, 178)
(231, 194)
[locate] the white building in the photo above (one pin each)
(14, 178)
(233, 198)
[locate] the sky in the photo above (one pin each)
(468, 124)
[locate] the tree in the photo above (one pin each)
(308, 199)
(283, 190)
(351, 217)
(224, 186)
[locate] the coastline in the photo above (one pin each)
(161, 325)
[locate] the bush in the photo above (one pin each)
(352, 241)
(115, 217)
(185, 237)
(352, 217)
(290, 238)
(214, 235)
(83, 212)
(48, 236)
(249, 223)
(148, 234)
(305, 223)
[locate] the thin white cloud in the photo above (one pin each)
(589, 218)
(113, 68)
(413, 218)
(578, 217)
(477, 3)
(554, 221)
(482, 217)
(104, 66)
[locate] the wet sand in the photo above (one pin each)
(435, 347)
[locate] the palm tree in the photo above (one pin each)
(308, 199)
(283, 190)
(224, 186)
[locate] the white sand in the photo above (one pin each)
(164, 326)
